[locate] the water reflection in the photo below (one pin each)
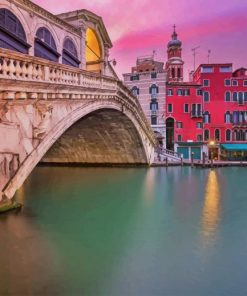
(211, 209)
(149, 186)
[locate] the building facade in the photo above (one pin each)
(147, 81)
(206, 115)
(78, 38)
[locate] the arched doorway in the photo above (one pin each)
(93, 51)
(12, 34)
(170, 133)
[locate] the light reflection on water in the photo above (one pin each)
(211, 209)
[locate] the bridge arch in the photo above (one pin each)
(63, 125)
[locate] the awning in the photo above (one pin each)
(234, 147)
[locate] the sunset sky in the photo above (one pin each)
(138, 27)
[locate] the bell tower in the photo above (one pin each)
(174, 65)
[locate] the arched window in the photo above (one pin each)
(227, 96)
(45, 46)
(206, 117)
(70, 56)
(93, 51)
(235, 135)
(241, 135)
(227, 117)
(153, 90)
(206, 135)
(12, 34)
(217, 135)
(228, 135)
(235, 96)
(135, 91)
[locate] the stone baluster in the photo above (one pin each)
(34, 72)
(5, 67)
(18, 69)
(11, 68)
(29, 70)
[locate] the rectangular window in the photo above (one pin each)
(207, 69)
(234, 83)
(154, 106)
(179, 124)
(205, 82)
(245, 83)
(206, 96)
(169, 108)
(153, 120)
(226, 69)
(186, 108)
(199, 92)
(199, 109)
(227, 82)
(179, 138)
(245, 96)
(199, 138)
(187, 92)
(134, 77)
(170, 92)
(193, 111)
(199, 125)
(153, 75)
(179, 92)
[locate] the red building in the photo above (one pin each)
(208, 114)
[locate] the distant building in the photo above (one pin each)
(147, 81)
(224, 110)
(207, 114)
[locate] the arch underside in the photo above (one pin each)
(105, 136)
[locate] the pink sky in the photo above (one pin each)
(138, 27)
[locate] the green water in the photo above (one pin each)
(123, 232)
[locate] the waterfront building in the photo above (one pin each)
(147, 81)
(205, 115)
(224, 99)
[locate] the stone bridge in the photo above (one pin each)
(55, 113)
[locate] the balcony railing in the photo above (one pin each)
(196, 114)
(18, 66)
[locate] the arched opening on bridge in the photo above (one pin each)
(45, 46)
(70, 56)
(12, 34)
(170, 133)
(93, 51)
(105, 136)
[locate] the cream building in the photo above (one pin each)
(147, 81)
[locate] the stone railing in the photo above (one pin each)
(22, 67)
(16, 66)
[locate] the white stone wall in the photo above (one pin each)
(144, 83)
(32, 17)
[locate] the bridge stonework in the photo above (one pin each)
(56, 113)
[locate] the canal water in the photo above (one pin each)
(127, 232)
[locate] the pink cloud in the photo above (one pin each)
(138, 27)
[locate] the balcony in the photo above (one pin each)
(196, 114)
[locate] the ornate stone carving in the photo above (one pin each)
(45, 113)
(3, 110)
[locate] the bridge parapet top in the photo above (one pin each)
(16, 66)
